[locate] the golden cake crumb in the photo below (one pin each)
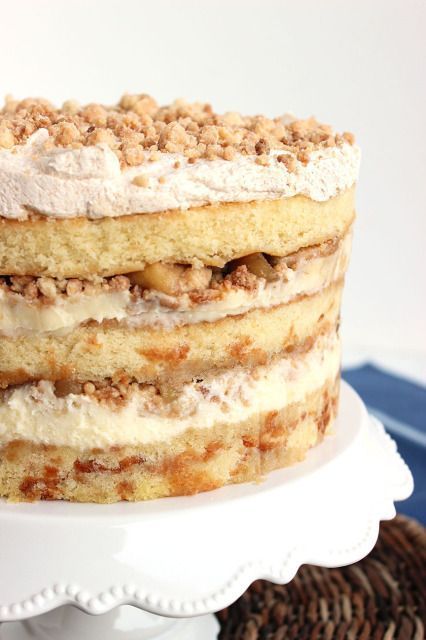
(140, 181)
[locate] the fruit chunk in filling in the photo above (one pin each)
(172, 279)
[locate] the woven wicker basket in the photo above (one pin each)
(382, 597)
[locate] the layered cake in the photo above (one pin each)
(170, 283)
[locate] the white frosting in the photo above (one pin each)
(34, 413)
(20, 316)
(88, 181)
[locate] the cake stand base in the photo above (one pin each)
(184, 558)
(122, 623)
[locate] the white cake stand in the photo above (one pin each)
(183, 558)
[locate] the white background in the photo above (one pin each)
(357, 64)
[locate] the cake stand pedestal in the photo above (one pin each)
(183, 558)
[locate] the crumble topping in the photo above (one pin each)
(137, 124)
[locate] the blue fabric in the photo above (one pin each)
(401, 406)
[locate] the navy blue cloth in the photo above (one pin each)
(401, 406)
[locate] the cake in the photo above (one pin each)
(170, 285)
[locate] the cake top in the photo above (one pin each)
(137, 157)
(137, 124)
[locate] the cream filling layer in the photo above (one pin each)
(19, 316)
(64, 183)
(34, 413)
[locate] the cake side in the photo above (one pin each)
(184, 466)
(211, 236)
(103, 447)
(169, 295)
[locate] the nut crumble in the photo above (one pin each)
(138, 124)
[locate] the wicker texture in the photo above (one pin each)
(382, 597)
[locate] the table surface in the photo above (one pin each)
(393, 386)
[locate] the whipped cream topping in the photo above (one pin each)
(88, 181)
(21, 316)
(34, 413)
